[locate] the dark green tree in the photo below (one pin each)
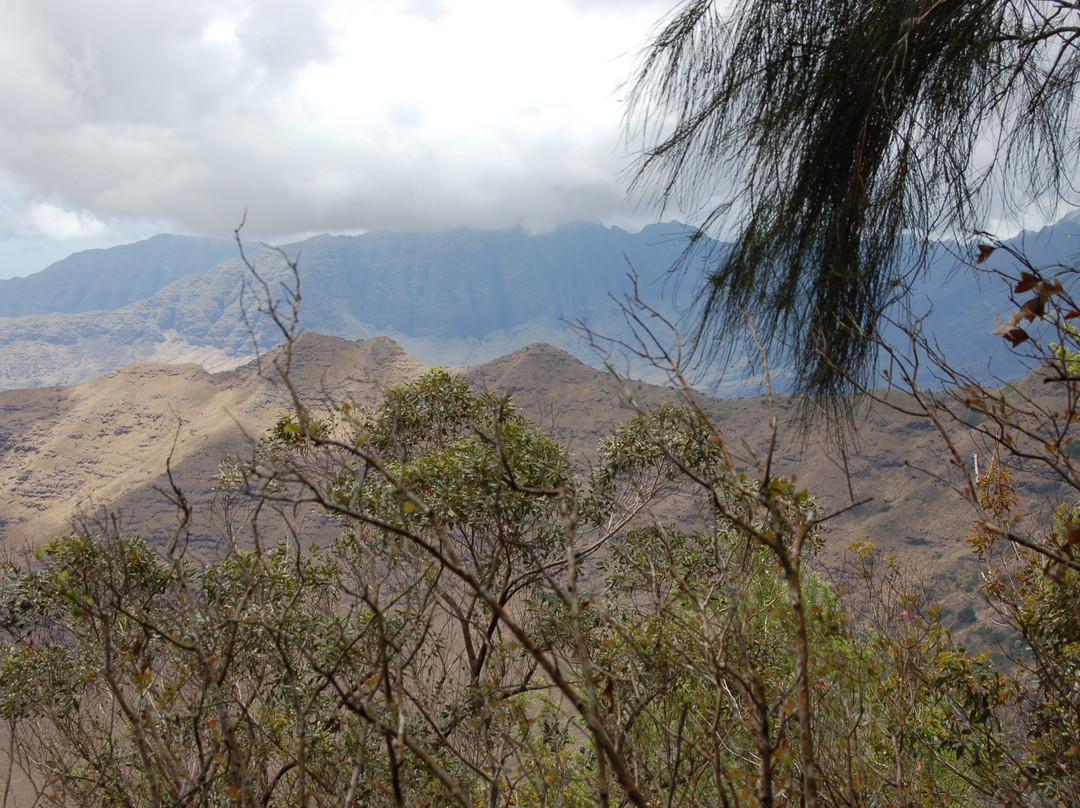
(833, 138)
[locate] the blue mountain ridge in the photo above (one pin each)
(450, 298)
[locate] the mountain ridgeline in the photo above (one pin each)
(449, 298)
(456, 297)
(99, 280)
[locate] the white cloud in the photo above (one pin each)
(316, 114)
(54, 222)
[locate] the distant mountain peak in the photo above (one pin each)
(450, 298)
(528, 368)
(540, 354)
(543, 351)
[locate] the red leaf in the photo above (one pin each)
(1027, 283)
(1072, 315)
(1033, 308)
(1016, 336)
(985, 251)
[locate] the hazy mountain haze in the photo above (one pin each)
(456, 297)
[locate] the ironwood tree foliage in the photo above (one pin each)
(838, 136)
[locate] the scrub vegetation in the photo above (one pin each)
(496, 624)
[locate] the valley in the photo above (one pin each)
(102, 450)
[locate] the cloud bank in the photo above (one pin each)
(312, 115)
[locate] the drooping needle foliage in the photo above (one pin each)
(821, 135)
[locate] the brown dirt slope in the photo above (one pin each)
(70, 453)
(102, 446)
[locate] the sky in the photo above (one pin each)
(120, 119)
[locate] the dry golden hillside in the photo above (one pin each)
(102, 447)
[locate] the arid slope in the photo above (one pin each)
(103, 447)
